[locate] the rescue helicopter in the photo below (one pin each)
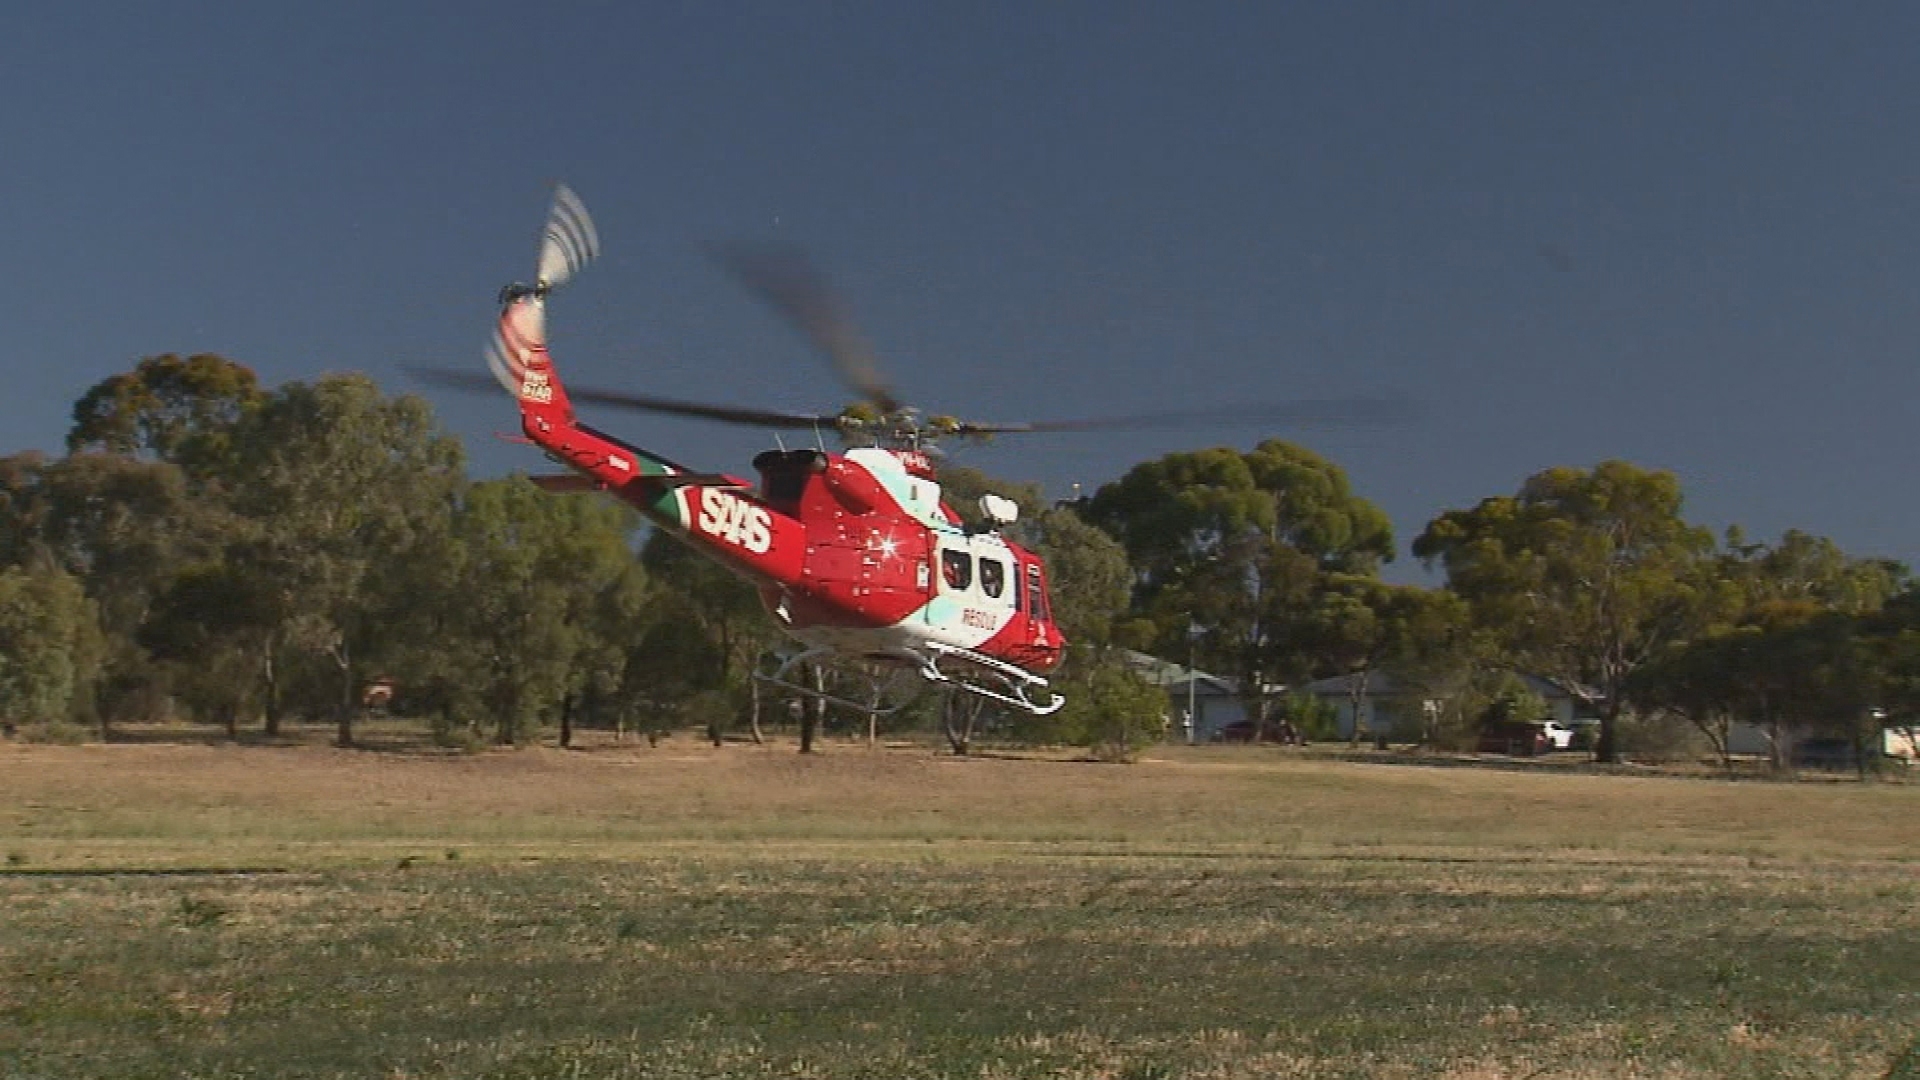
(855, 554)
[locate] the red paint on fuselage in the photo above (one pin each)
(824, 540)
(867, 562)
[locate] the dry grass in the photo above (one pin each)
(168, 803)
(685, 911)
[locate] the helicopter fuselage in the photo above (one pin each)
(854, 552)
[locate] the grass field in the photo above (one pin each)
(681, 911)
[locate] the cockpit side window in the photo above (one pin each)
(956, 569)
(1036, 593)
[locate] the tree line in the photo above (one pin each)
(211, 550)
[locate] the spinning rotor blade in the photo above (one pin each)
(621, 399)
(570, 241)
(728, 414)
(787, 282)
(792, 286)
(1385, 410)
(1320, 412)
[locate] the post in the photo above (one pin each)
(1193, 684)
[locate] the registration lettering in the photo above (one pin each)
(735, 520)
(979, 620)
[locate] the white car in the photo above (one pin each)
(1559, 735)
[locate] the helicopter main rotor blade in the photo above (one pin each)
(786, 281)
(621, 399)
(1311, 412)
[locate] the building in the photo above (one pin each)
(1898, 743)
(1213, 699)
(1385, 707)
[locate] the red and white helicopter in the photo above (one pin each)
(855, 554)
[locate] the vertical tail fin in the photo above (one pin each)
(518, 357)
(518, 353)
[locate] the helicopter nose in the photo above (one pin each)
(1050, 650)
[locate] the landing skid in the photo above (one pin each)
(996, 680)
(974, 672)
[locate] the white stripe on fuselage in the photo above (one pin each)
(918, 499)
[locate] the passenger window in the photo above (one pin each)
(993, 576)
(957, 568)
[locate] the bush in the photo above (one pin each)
(50, 645)
(57, 733)
(1316, 720)
(1491, 697)
(465, 739)
(1657, 737)
(1112, 711)
(1513, 703)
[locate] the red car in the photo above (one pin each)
(1519, 740)
(1244, 731)
(1238, 731)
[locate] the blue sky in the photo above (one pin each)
(1683, 235)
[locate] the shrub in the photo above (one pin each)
(1112, 711)
(56, 732)
(465, 739)
(1316, 720)
(1654, 737)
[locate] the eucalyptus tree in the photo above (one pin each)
(334, 485)
(49, 645)
(215, 628)
(534, 573)
(169, 408)
(1805, 568)
(733, 627)
(121, 527)
(1232, 547)
(1089, 580)
(1584, 576)
(1789, 666)
(1358, 625)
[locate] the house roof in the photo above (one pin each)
(1175, 677)
(1379, 684)
(1205, 684)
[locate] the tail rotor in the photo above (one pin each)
(569, 243)
(517, 354)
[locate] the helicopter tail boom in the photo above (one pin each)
(717, 514)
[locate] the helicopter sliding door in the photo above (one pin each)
(983, 579)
